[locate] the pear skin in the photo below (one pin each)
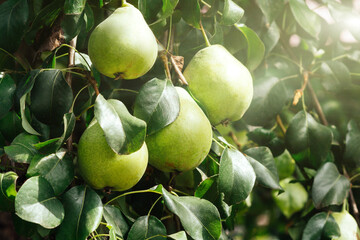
(183, 144)
(221, 83)
(123, 45)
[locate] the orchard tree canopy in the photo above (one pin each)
(169, 119)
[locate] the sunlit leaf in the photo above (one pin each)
(199, 217)
(36, 203)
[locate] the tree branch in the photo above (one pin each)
(317, 105)
(68, 79)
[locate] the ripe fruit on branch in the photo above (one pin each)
(221, 83)
(183, 144)
(347, 224)
(123, 44)
(101, 167)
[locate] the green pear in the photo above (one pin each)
(183, 144)
(348, 227)
(221, 83)
(101, 167)
(123, 44)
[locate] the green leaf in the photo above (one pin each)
(264, 166)
(24, 121)
(305, 17)
(266, 137)
(271, 37)
(45, 17)
(110, 123)
(236, 176)
(321, 226)
(83, 213)
(199, 217)
(352, 144)
(10, 126)
(271, 9)
(178, 236)
(285, 165)
(72, 7)
(307, 140)
(205, 186)
(190, 12)
(232, 13)
(116, 220)
(335, 75)
(69, 121)
(134, 128)
(293, 199)
(255, 47)
(7, 90)
(36, 203)
(157, 104)
(21, 149)
(71, 25)
(51, 97)
(14, 15)
(8, 190)
(329, 187)
(146, 227)
(56, 168)
(168, 8)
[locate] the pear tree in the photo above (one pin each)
(169, 119)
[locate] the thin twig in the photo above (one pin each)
(299, 92)
(165, 60)
(234, 138)
(68, 78)
(317, 105)
(352, 200)
(93, 82)
(280, 124)
(178, 71)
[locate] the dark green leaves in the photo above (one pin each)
(21, 149)
(190, 10)
(72, 7)
(321, 225)
(264, 166)
(256, 49)
(50, 85)
(7, 90)
(146, 227)
(123, 132)
(115, 219)
(157, 104)
(330, 187)
(36, 202)
(306, 18)
(352, 150)
(199, 217)
(232, 13)
(56, 168)
(270, 95)
(83, 213)
(7, 190)
(236, 176)
(13, 19)
(307, 140)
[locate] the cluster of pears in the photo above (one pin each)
(124, 46)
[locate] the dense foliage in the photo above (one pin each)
(278, 173)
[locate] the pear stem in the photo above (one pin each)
(123, 2)
(204, 35)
